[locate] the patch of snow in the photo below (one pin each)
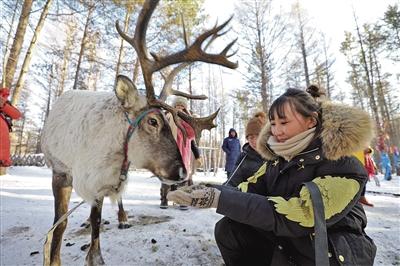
(156, 237)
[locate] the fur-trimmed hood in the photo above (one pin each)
(345, 130)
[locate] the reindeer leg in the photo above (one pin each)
(86, 224)
(62, 187)
(122, 218)
(94, 256)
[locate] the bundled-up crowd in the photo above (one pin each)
(293, 194)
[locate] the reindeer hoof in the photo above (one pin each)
(84, 247)
(85, 225)
(124, 226)
(95, 259)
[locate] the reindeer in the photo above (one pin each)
(90, 138)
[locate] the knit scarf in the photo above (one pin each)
(293, 146)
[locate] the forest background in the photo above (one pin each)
(51, 46)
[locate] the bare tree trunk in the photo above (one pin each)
(48, 104)
(384, 109)
(303, 46)
(304, 56)
(38, 145)
(327, 66)
(359, 93)
(136, 71)
(66, 58)
(6, 44)
(29, 53)
(83, 46)
(367, 73)
(263, 64)
(12, 60)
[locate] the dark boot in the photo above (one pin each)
(163, 196)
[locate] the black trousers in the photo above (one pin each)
(241, 244)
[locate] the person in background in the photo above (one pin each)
(231, 147)
(186, 149)
(370, 165)
(386, 166)
(310, 172)
(249, 160)
(7, 113)
(360, 155)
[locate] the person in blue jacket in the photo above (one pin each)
(386, 166)
(231, 147)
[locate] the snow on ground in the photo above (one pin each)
(157, 237)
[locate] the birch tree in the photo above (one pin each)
(305, 44)
(12, 60)
(368, 77)
(263, 29)
(90, 12)
(29, 54)
(323, 75)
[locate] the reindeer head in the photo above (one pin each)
(157, 152)
(152, 145)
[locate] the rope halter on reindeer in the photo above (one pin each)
(132, 126)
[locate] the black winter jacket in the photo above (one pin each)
(247, 164)
(276, 200)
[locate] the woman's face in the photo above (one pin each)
(180, 107)
(291, 125)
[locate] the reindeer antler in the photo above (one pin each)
(191, 53)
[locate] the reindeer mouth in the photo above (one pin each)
(183, 177)
(171, 182)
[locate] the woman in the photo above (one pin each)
(273, 222)
(186, 148)
(370, 165)
(231, 146)
(249, 160)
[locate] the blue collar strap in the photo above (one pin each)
(131, 128)
(139, 118)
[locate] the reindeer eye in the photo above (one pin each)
(152, 122)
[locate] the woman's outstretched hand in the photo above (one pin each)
(198, 196)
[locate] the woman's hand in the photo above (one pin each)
(198, 196)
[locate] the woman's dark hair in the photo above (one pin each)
(303, 102)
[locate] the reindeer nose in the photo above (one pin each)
(182, 174)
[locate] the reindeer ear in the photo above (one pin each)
(126, 92)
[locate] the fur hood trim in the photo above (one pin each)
(345, 130)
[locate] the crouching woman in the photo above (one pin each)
(270, 219)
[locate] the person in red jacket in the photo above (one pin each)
(370, 165)
(7, 112)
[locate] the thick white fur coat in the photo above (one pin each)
(83, 137)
